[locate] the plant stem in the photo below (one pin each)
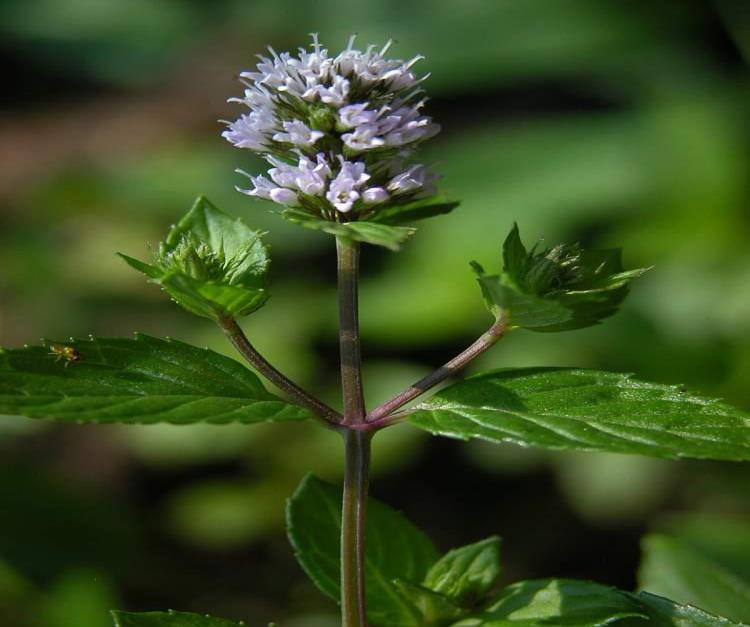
(357, 442)
(485, 341)
(356, 483)
(238, 338)
(349, 343)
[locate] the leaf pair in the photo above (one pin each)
(408, 585)
(147, 380)
(385, 229)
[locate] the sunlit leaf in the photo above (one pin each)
(140, 381)
(561, 408)
(466, 574)
(557, 602)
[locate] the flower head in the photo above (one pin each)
(338, 131)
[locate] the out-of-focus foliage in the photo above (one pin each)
(701, 561)
(582, 120)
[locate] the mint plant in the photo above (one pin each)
(341, 134)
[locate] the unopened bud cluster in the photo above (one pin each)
(198, 260)
(339, 132)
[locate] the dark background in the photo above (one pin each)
(608, 123)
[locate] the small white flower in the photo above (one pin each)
(298, 133)
(374, 196)
(284, 196)
(356, 115)
(414, 179)
(251, 130)
(364, 137)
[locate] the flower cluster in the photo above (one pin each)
(338, 132)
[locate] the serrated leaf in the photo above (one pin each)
(391, 237)
(557, 289)
(213, 265)
(466, 574)
(415, 210)
(141, 381)
(394, 549)
(557, 602)
(566, 408)
(169, 619)
(673, 569)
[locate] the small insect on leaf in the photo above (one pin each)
(68, 353)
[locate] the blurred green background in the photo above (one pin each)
(596, 121)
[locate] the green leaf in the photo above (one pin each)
(140, 381)
(565, 408)
(468, 573)
(556, 602)
(169, 619)
(665, 613)
(395, 549)
(211, 264)
(391, 237)
(673, 569)
(557, 289)
(415, 210)
(434, 608)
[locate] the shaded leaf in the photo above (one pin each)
(674, 570)
(391, 237)
(210, 263)
(140, 381)
(435, 608)
(415, 210)
(468, 573)
(563, 408)
(665, 613)
(395, 549)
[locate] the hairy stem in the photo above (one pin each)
(356, 475)
(349, 344)
(238, 338)
(485, 341)
(356, 482)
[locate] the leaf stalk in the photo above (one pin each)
(240, 341)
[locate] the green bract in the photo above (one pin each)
(391, 237)
(556, 289)
(385, 228)
(211, 264)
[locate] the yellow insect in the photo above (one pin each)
(68, 353)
